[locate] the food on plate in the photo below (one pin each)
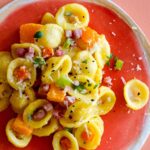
(136, 94)
(54, 81)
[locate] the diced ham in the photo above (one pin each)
(77, 33)
(31, 50)
(30, 53)
(68, 33)
(59, 52)
(20, 52)
(45, 87)
(68, 101)
(40, 114)
(48, 107)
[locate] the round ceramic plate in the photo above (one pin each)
(124, 128)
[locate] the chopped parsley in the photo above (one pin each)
(85, 61)
(80, 87)
(39, 61)
(96, 85)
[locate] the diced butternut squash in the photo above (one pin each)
(27, 32)
(55, 94)
(20, 127)
(88, 39)
(47, 52)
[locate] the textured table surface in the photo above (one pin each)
(139, 11)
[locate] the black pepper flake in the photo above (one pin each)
(89, 92)
(93, 60)
(70, 73)
(83, 16)
(73, 105)
(52, 65)
(89, 84)
(138, 93)
(74, 77)
(84, 142)
(53, 70)
(92, 100)
(86, 67)
(71, 111)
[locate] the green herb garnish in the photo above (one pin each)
(68, 43)
(39, 61)
(85, 61)
(38, 34)
(118, 64)
(80, 87)
(64, 81)
(96, 85)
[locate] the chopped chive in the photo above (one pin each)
(80, 87)
(96, 85)
(85, 61)
(110, 56)
(118, 64)
(38, 34)
(69, 42)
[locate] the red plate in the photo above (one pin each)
(122, 125)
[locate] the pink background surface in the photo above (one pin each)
(139, 11)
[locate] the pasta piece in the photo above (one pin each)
(52, 35)
(136, 94)
(29, 113)
(86, 91)
(56, 66)
(77, 114)
(102, 51)
(48, 18)
(88, 136)
(16, 139)
(84, 64)
(26, 46)
(48, 129)
(19, 101)
(107, 100)
(64, 135)
(99, 122)
(5, 93)
(5, 58)
(98, 76)
(13, 81)
(72, 16)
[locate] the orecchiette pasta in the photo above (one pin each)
(20, 100)
(5, 93)
(88, 93)
(84, 64)
(56, 66)
(5, 58)
(48, 18)
(77, 114)
(88, 135)
(106, 100)
(12, 80)
(15, 138)
(52, 35)
(48, 129)
(103, 51)
(72, 16)
(29, 113)
(64, 135)
(26, 46)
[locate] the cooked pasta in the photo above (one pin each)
(15, 48)
(84, 64)
(107, 100)
(52, 35)
(19, 100)
(56, 66)
(31, 109)
(54, 82)
(5, 58)
(102, 53)
(77, 114)
(16, 83)
(48, 129)
(5, 93)
(72, 16)
(16, 139)
(64, 135)
(88, 135)
(48, 18)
